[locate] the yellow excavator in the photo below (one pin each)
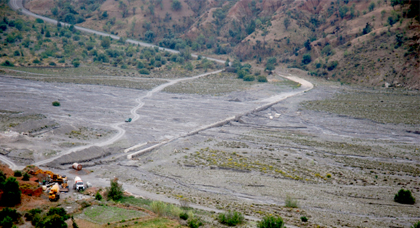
(53, 177)
(54, 192)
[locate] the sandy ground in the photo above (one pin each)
(343, 171)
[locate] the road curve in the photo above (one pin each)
(18, 6)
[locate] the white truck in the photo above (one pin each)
(78, 184)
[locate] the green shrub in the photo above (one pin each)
(26, 177)
(7, 222)
(116, 191)
(271, 222)
(183, 216)
(8, 63)
(52, 64)
(76, 63)
(231, 218)
(404, 197)
(11, 213)
(36, 61)
(144, 71)
(39, 20)
(98, 196)
(249, 78)
(304, 219)
(290, 202)
(17, 173)
(416, 225)
(262, 78)
(11, 192)
(194, 223)
(56, 103)
(31, 214)
(158, 207)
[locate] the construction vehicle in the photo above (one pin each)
(52, 177)
(54, 192)
(78, 184)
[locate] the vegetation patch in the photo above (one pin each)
(109, 214)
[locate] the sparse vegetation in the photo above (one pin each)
(231, 218)
(271, 222)
(56, 103)
(291, 202)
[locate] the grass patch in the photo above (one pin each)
(156, 223)
(106, 214)
(384, 107)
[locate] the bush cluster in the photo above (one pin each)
(404, 197)
(271, 222)
(231, 218)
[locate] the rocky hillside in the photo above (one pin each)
(368, 42)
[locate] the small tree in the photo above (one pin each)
(176, 5)
(416, 225)
(106, 42)
(17, 173)
(26, 177)
(11, 192)
(116, 191)
(306, 58)
(227, 62)
(307, 45)
(404, 197)
(371, 6)
(98, 196)
(286, 22)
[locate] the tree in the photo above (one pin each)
(11, 192)
(176, 5)
(368, 28)
(227, 62)
(270, 67)
(343, 11)
(25, 177)
(116, 191)
(307, 45)
(371, 6)
(106, 42)
(306, 58)
(149, 36)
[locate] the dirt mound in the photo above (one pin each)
(85, 155)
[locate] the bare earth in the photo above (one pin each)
(343, 171)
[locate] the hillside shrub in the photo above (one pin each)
(144, 71)
(8, 63)
(52, 64)
(7, 222)
(158, 207)
(26, 177)
(31, 214)
(249, 78)
(304, 219)
(231, 218)
(10, 213)
(39, 20)
(262, 78)
(306, 58)
(194, 223)
(404, 197)
(271, 222)
(56, 103)
(183, 216)
(332, 65)
(17, 173)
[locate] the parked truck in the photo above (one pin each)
(78, 184)
(54, 192)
